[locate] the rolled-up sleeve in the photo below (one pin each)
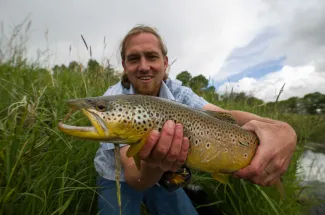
(188, 97)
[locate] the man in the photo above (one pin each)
(144, 59)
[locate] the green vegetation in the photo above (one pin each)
(46, 172)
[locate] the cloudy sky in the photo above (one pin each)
(254, 46)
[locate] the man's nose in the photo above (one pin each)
(144, 65)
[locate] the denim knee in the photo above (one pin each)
(107, 198)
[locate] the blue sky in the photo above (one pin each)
(257, 71)
(268, 61)
(250, 60)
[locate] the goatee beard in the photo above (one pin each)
(147, 91)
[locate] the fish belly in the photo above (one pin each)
(218, 156)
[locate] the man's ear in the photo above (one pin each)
(166, 62)
(123, 64)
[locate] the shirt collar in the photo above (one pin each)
(164, 91)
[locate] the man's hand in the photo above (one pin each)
(166, 150)
(273, 155)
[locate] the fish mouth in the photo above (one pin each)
(98, 130)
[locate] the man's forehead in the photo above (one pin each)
(138, 52)
(142, 43)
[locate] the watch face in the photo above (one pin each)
(174, 180)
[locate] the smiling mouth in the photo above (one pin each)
(145, 78)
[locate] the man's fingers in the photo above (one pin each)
(162, 147)
(274, 170)
(268, 181)
(256, 167)
(182, 156)
(251, 125)
(144, 153)
(270, 173)
(175, 148)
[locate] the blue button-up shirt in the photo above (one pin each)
(171, 89)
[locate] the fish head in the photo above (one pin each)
(110, 117)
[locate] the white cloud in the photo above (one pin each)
(298, 82)
(199, 35)
(293, 30)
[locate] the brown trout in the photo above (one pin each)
(217, 144)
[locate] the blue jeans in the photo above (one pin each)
(157, 200)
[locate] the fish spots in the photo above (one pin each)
(245, 155)
(208, 145)
(244, 143)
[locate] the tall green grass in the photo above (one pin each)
(43, 172)
(46, 172)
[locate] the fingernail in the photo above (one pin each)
(170, 124)
(155, 134)
(178, 126)
(186, 141)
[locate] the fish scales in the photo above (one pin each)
(215, 145)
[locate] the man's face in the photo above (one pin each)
(144, 63)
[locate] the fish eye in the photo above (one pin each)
(101, 107)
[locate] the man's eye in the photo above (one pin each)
(152, 57)
(132, 59)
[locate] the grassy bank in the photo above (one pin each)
(46, 172)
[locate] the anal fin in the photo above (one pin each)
(137, 161)
(222, 178)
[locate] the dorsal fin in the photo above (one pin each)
(227, 117)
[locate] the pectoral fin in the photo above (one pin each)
(222, 178)
(137, 161)
(135, 148)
